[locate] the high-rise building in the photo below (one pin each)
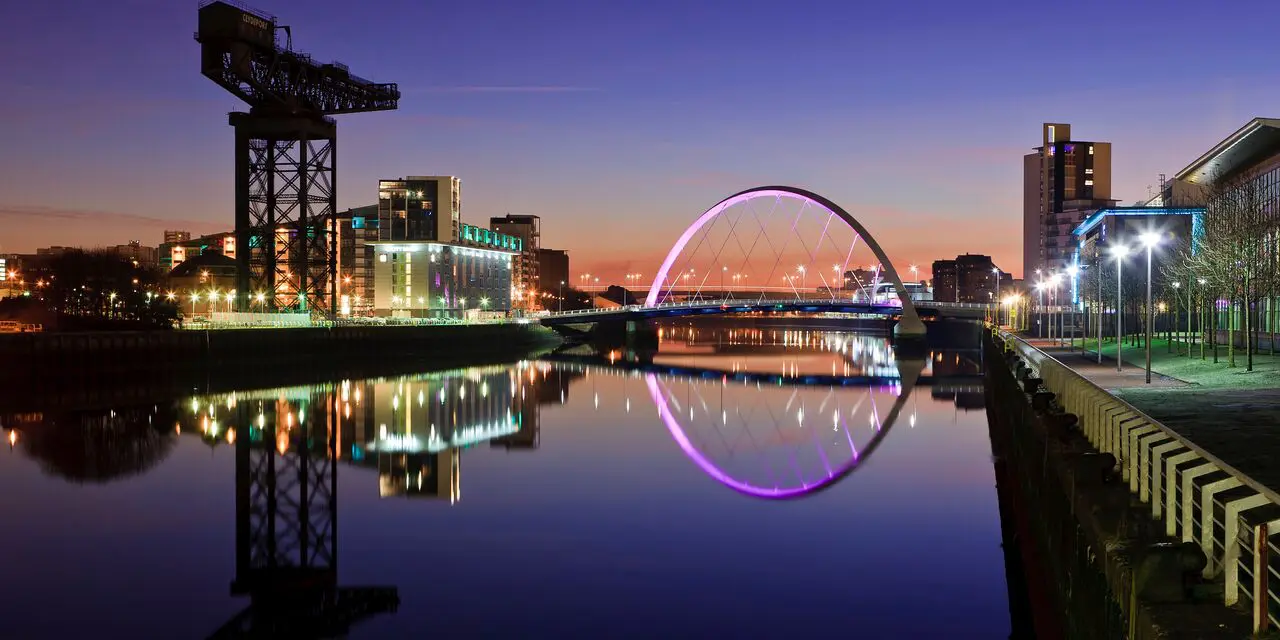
(1063, 182)
(173, 237)
(525, 280)
(425, 208)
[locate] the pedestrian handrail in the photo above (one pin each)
(1200, 498)
(703, 304)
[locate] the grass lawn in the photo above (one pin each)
(1265, 374)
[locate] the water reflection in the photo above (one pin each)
(777, 422)
(772, 432)
(92, 446)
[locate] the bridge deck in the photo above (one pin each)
(926, 308)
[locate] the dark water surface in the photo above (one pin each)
(809, 492)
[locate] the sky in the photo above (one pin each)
(628, 119)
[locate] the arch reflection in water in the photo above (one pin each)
(779, 441)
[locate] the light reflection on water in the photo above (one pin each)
(559, 454)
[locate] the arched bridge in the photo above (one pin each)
(923, 308)
(738, 257)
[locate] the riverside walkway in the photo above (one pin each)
(1232, 413)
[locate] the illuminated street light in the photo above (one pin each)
(1073, 271)
(1149, 240)
(1119, 252)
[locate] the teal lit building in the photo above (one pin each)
(416, 279)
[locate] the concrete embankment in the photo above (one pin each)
(56, 364)
(1096, 562)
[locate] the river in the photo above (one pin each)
(745, 483)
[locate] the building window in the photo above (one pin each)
(1088, 183)
(1090, 149)
(382, 257)
(1088, 172)
(1051, 136)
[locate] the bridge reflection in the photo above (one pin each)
(413, 430)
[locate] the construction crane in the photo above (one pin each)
(286, 155)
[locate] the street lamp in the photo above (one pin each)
(1200, 322)
(1119, 251)
(914, 270)
(560, 306)
(1073, 271)
(803, 278)
(1177, 286)
(1053, 301)
(1149, 240)
(995, 297)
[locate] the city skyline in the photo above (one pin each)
(620, 121)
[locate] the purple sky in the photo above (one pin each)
(627, 119)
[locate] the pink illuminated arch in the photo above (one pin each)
(909, 370)
(908, 325)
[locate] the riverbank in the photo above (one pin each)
(1099, 561)
(1229, 411)
(144, 364)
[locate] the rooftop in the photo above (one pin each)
(1255, 140)
(1093, 220)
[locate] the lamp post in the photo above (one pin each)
(1200, 319)
(1056, 280)
(803, 279)
(560, 305)
(1119, 251)
(1098, 264)
(1074, 272)
(1149, 240)
(1176, 303)
(995, 298)
(1039, 307)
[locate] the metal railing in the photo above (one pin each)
(739, 302)
(1200, 498)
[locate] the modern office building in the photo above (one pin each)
(1124, 225)
(1249, 155)
(420, 208)
(174, 237)
(529, 230)
(553, 269)
(439, 279)
(1064, 181)
(968, 278)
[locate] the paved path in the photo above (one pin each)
(1105, 375)
(1240, 426)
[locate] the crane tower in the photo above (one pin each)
(286, 242)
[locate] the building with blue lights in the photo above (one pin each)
(1106, 227)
